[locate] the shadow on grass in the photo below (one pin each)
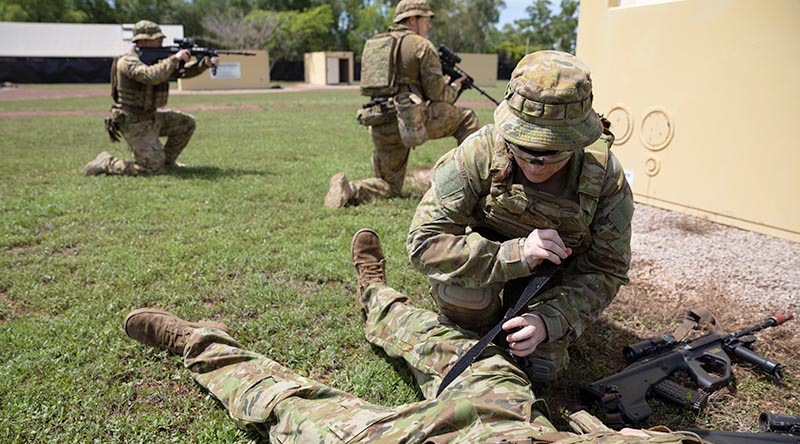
(213, 173)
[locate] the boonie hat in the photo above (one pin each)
(548, 104)
(146, 30)
(412, 8)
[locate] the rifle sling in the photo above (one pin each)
(543, 273)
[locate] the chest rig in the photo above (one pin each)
(513, 210)
(131, 95)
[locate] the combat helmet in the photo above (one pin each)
(548, 104)
(146, 30)
(412, 8)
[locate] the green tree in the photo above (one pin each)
(541, 29)
(59, 11)
(369, 21)
(464, 25)
(297, 32)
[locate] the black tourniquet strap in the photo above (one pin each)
(544, 272)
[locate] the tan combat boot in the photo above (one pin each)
(162, 329)
(98, 166)
(339, 193)
(369, 262)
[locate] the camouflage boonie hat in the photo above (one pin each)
(412, 8)
(548, 104)
(146, 30)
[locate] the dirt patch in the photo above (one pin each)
(38, 113)
(27, 93)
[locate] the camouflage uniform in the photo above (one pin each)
(419, 71)
(469, 229)
(139, 91)
(491, 402)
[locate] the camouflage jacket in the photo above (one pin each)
(592, 216)
(419, 69)
(139, 89)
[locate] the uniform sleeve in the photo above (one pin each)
(433, 85)
(591, 280)
(195, 68)
(439, 244)
(148, 75)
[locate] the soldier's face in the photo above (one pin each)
(149, 43)
(539, 173)
(422, 26)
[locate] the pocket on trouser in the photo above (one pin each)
(377, 114)
(412, 113)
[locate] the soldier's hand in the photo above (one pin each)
(526, 333)
(214, 61)
(184, 55)
(543, 245)
(457, 83)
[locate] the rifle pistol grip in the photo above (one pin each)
(672, 391)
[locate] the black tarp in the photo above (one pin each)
(97, 70)
(55, 70)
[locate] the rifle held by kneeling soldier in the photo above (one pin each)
(450, 61)
(149, 56)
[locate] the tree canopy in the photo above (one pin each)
(288, 28)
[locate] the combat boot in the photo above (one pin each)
(99, 165)
(339, 194)
(369, 262)
(162, 329)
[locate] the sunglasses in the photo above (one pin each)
(539, 157)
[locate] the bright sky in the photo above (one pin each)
(515, 10)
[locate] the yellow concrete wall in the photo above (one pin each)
(703, 97)
(481, 67)
(252, 71)
(316, 66)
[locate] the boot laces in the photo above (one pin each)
(175, 332)
(371, 272)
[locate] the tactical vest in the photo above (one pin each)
(133, 96)
(512, 211)
(379, 62)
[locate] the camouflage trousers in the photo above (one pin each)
(390, 156)
(490, 402)
(149, 155)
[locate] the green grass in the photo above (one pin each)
(240, 236)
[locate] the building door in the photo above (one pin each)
(332, 71)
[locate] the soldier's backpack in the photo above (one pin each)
(379, 65)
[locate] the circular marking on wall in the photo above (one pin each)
(621, 122)
(652, 165)
(657, 128)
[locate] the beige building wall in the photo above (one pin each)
(235, 72)
(702, 96)
(481, 67)
(328, 67)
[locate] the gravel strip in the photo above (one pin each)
(684, 254)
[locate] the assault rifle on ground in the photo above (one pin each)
(779, 429)
(450, 61)
(623, 396)
(149, 56)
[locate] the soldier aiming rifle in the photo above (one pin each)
(151, 55)
(140, 88)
